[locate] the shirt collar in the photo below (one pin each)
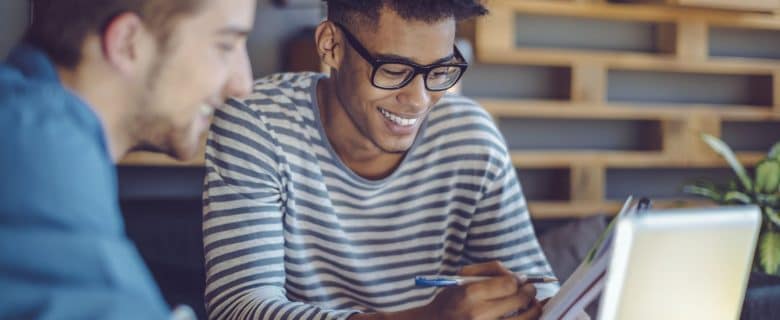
(33, 63)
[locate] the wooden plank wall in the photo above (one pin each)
(683, 47)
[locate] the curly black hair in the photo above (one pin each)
(363, 12)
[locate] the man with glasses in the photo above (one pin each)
(326, 196)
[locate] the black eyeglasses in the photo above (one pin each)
(392, 74)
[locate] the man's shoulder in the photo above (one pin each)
(462, 123)
(280, 95)
(43, 116)
(52, 149)
(465, 108)
(28, 105)
(455, 111)
(286, 84)
(279, 105)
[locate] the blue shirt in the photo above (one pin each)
(63, 249)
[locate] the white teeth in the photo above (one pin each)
(398, 120)
(206, 110)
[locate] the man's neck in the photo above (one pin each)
(354, 149)
(103, 97)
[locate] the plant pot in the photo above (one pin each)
(762, 298)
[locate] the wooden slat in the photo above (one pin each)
(776, 91)
(624, 159)
(589, 1)
(495, 32)
(625, 61)
(638, 12)
(758, 5)
(676, 139)
(565, 209)
(561, 210)
(666, 38)
(691, 39)
(611, 159)
(682, 139)
(589, 83)
(569, 110)
(587, 183)
(586, 10)
(698, 125)
(159, 160)
(576, 110)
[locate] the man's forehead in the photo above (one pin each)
(227, 16)
(418, 41)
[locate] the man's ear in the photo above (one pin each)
(124, 40)
(329, 44)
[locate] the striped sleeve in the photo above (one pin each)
(242, 223)
(501, 229)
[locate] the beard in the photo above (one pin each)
(145, 122)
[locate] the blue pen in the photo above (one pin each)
(449, 281)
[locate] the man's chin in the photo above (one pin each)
(396, 148)
(186, 155)
(180, 152)
(394, 144)
(186, 152)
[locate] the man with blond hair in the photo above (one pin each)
(91, 81)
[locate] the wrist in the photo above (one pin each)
(369, 316)
(409, 314)
(422, 312)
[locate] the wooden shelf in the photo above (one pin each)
(754, 5)
(159, 160)
(561, 210)
(583, 110)
(568, 210)
(639, 12)
(610, 159)
(626, 61)
(681, 46)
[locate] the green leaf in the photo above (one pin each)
(774, 152)
(709, 192)
(723, 149)
(767, 176)
(772, 215)
(736, 196)
(768, 200)
(769, 249)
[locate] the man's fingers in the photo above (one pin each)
(532, 313)
(529, 290)
(497, 308)
(493, 268)
(494, 288)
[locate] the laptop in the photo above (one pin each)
(681, 264)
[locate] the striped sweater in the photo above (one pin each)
(290, 232)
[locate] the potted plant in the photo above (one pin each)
(763, 190)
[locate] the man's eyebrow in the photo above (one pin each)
(234, 31)
(408, 60)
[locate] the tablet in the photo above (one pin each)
(681, 264)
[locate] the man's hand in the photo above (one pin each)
(489, 299)
(501, 297)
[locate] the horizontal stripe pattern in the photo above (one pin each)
(291, 233)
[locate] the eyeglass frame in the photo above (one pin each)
(425, 70)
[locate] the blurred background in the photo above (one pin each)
(597, 100)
